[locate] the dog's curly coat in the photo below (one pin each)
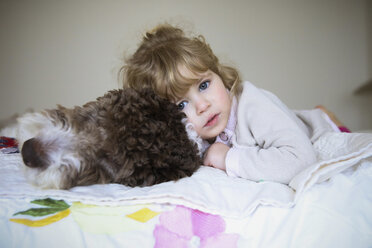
(129, 137)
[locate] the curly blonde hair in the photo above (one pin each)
(161, 54)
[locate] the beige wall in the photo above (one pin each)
(306, 52)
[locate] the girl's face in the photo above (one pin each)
(206, 104)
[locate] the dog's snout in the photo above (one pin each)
(32, 154)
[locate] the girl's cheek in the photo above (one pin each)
(191, 116)
(187, 112)
(191, 119)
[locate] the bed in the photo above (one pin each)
(327, 205)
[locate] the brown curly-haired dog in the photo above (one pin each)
(129, 137)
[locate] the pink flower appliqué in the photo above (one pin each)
(184, 227)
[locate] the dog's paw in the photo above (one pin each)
(193, 136)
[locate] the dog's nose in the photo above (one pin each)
(32, 154)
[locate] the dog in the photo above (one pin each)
(129, 137)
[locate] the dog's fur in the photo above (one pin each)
(128, 137)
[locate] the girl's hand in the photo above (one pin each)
(215, 156)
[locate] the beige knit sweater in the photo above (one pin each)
(272, 142)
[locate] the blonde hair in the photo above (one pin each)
(161, 54)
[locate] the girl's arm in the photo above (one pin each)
(270, 142)
(215, 156)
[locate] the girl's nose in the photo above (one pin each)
(202, 105)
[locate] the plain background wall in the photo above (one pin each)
(306, 52)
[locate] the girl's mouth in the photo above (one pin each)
(212, 121)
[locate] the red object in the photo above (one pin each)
(344, 129)
(7, 142)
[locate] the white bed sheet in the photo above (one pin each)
(327, 205)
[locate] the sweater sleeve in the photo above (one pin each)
(269, 143)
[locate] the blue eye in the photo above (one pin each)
(181, 105)
(204, 85)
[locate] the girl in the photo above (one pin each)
(250, 133)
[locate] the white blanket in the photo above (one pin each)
(209, 190)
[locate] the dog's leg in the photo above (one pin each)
(193, 136)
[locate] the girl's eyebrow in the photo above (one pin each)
(204, 76)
